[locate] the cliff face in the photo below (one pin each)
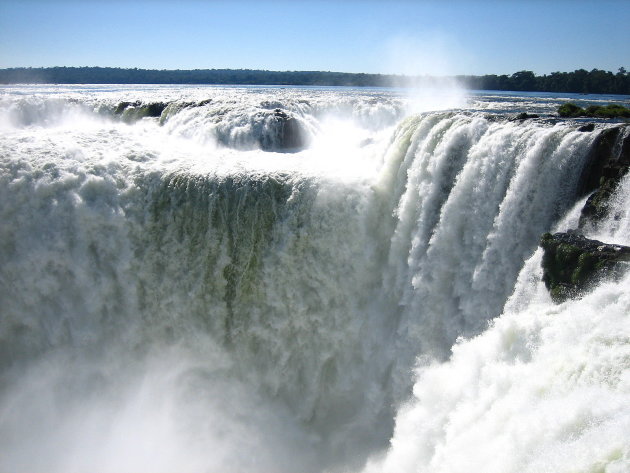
(609, 162)
(571, 262)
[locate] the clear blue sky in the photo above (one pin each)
(409, 37)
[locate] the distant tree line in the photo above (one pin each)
(595, 81)
(580, 81)
(111, 75)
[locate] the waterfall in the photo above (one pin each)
(184, 292)
(545, 388)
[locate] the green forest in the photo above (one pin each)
(595, 81)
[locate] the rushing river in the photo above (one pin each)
(228, 279)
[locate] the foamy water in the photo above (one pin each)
(180, 295)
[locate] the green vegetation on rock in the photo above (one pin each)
(572, 263)
(571, 110)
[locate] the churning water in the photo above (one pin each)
(298, 280)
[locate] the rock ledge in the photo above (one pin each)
(573, 263)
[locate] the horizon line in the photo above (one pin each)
(308, 71)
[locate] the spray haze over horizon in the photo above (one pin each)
(427, 37)
(251, 279)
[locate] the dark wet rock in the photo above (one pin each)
(608, 162)
(572, 264)
(120, 108)
(289, 135)
(154, 109)
(133, 111)
(597, 205)
(587, 127)
(524, 116)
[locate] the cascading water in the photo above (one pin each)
(177, 296)
(545, 389)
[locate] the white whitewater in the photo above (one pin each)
(545, 389)
(177, 296)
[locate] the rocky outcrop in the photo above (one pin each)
(524, 116)
(609, 162)
(134, 111)
(587, 127)
(288, 136)
(572, 263)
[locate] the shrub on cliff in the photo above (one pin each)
(570, 110)
(608, 111)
